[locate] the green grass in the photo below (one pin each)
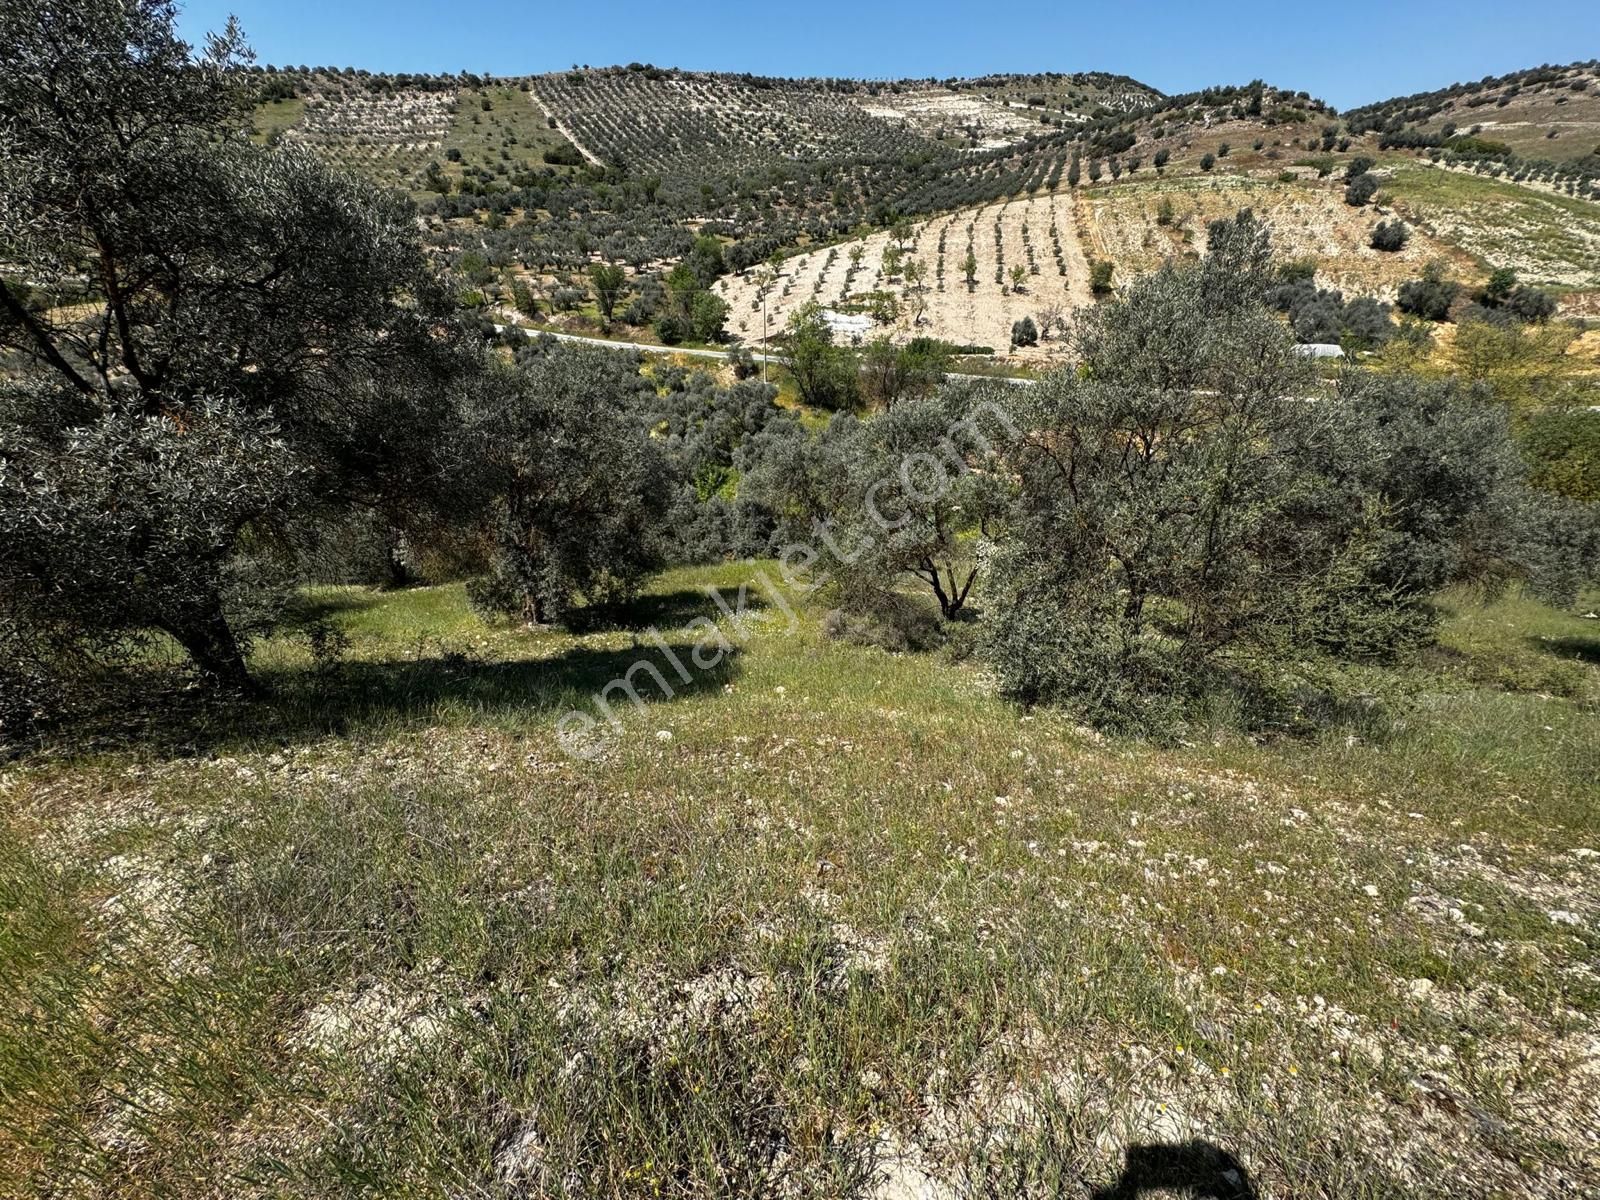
(513, 124)
(824, 916)
(272, 119)
(1547, 238)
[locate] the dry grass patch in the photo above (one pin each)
(1547, 239)
(1307, 221)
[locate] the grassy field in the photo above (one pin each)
(826, 922)
(270, 120)
(510, 134)
(1546, 238)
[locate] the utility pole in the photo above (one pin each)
(765, 280)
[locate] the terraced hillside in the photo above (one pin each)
(1125, 224)
(1085, 94)
(920, 286)
(1002, 110)
(674, 121)
(528, 183)
(1547, 238)
(383, 127)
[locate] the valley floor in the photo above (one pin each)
(826, 922)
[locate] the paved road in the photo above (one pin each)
(719, 355)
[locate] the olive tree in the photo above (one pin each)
(908, 494)
(824, 372)
(239, 334)
(608, 281)
(1197, 518)
(569, 488)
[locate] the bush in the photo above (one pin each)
(1531, 305)
(670, 329)
(1024, 333)
(1100, 272)
(1390, 236)
(1429, 297)
(897, 623)
(1360, 190)
(1563, 450)
(564, 155)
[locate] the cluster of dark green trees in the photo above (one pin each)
(1434, 296)
(223, 367)
(1198, 522)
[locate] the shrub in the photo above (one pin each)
(1431, 296)
(891, 373)
(1360, 190)
(899, 624)
(1365, 324)
(670, 328)
(1563, 450)
(1100, 272)
(1531, 304)
(564, 155)
(1024, 333)
(1390, 236)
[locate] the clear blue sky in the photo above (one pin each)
(1347, 53)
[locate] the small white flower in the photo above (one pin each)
(1371, 891)
(663, 735)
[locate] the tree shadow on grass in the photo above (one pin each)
(449, 687)
(1575, 649)
(664, 610)
(328, 603)
(1198, 1168)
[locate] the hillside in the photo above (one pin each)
(527, 182)
(1544, 113)
(826, 889)
(683, 636)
